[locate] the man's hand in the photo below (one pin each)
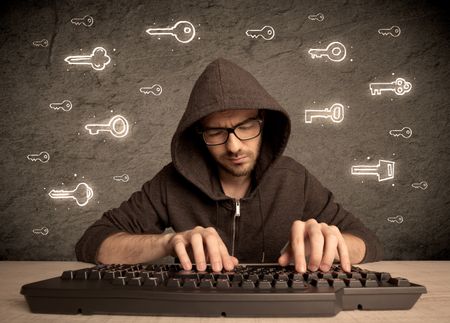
(323, 244)
(205, 244)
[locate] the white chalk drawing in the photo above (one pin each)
(394, 31)
(97, 60)
(81, 194)
(335, 52)
(266, 33)
(423, 185)
(183, 31)
(43, 157)
(65, 105)
(384, 170)
(405, 132)
(398, 219)
(44, 231)
(117, 126)
(318, 17)
(40, 43)
(86, 21)
(122, 178)
(335, 113)
(400, 86)
(155, 89)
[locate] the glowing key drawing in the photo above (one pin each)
(122, 178)
(117, 126)
(155, 89)
(400, 86)
(81, 194)
(86, 21)
(44, 231)
(40, 43)
(65, 105)
(405, 132)
(335, 113)
(266, 33)
(394, 31)
(397, 219)
(183, 31)
(98, 59)
(335, 52)
(318, 17)
(384, 170)
(43, 157)
(422, 185)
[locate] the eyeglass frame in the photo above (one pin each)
(232, 130)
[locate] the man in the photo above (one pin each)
(229, 194)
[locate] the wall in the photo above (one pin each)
(34, 75)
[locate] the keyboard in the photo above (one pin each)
(250, 290)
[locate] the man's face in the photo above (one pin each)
(235, 156)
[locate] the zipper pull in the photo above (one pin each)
(238, 208)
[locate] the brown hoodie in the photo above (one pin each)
(187, 191)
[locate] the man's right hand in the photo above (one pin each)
(204, 244)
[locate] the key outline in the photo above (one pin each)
(149, 89)
(61, 105)
(388, 31)
(44, 231)
(122, 178)
(373, 169)
(82, 21)
(40, 43)
(323, 52)
(111, 125)
(36, 157)
(423, 185)
(399, 86)
(318, 17)
(258, 33)
(68, 194)
(309, 114)
(161, 31)
(400, 132)
(397, 219)
(87, 59)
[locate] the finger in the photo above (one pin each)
(227, 260)
(212, 250)
(344, 256)
(180, 250)
(199, 252)
(298, 245)
(330, 249)
(316, 241)
(285, 257)
(235, 261)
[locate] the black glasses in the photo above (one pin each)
(246, 130)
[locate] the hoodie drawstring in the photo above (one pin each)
(262, 227)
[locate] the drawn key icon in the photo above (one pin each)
(183, 31)
(335, 52)
(117, 126)
(98, 59)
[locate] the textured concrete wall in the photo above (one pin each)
(35, 75)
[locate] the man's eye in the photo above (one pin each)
(214, 133)
(247, 126)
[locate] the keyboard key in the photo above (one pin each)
(298, 284)
(190, 283)
(136, 281)
(279, 284)
(352, 282)
(151, 282)
(122, 280)
(248, 284)
(320, 282)
(67, 275)
(369, 282)
(399, 281)
(206, 283)
(223, 283)
(265, 284)
(174, 282)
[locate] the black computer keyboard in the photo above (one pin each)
(249, 290)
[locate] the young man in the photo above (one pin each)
(229, 194)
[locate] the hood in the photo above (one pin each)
(224, 85)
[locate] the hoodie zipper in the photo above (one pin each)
(237, 214)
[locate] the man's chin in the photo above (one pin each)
(238, 171)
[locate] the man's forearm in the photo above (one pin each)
(125, 248)
(356, 248)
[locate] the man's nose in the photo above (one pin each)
(233, 143)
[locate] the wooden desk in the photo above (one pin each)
(431, 307)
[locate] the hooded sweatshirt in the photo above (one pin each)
(187, 192)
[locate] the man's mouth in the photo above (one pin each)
(238, 159)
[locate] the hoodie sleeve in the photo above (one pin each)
(319, 204)
(144, 212)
